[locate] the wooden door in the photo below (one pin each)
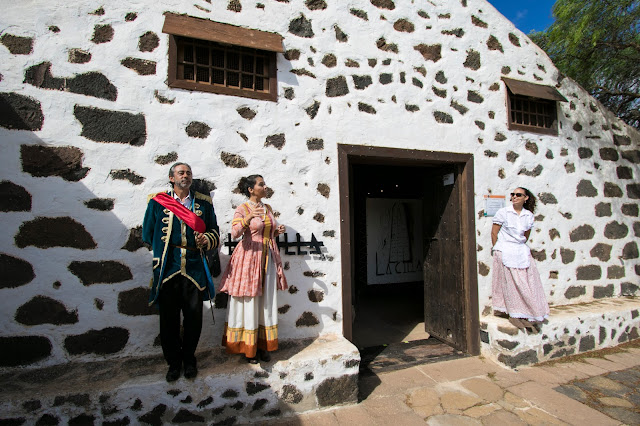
(444, 292)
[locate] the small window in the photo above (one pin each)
(221, 58)
(532, 107)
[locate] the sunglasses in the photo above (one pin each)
(517, 194)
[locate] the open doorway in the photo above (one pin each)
(408, 248)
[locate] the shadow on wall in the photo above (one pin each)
(69, 281)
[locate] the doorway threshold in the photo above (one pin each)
(397, 356)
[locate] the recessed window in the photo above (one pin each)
(532, 107)
(220, 58)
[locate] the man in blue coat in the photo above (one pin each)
(181, 278)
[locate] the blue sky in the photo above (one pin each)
(527, 15)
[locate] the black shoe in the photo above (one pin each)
(190, 371)
(253, 360)
(264, 355)
(173, 374)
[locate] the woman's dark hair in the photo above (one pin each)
(246, 183)
(530, 204)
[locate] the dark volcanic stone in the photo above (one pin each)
(584, 232)
(284, 309)
(588, 273)
(336, 86)
(135, 302)
(633, 191)
(277, 141)
(79, 400)
(474, 97)
(291, 394)
(458, 107)
(430, 52)
(630, 210)
(567, 255)
(130, 17)
(127, 174)
(46, 232)
(600, 292)
(17, 45)
(15, 272)
(14, 198)
(631, 156)
(102, 204)
(315, 296)
(186, 416)
(92, 84)
(82, 420)
(234, 6)
(514, 39)
(316, 4)
(259, 404)
(246, 113)
(584, 152)
(301, 27)
(366, 108)
(134, 242)
(609, 154)
(547, 198)
(154, 417)
(615, 272)
(494, 44)
(44, 310)
(102, 34)
(256, 387)
(508, 344)
(101, 342)
(603, 209)
(630, 251)
(78, 56)
(473, 60)
(612, 190)
(45, 161)
(329, 60)
(315, 144)
(230, 394)
(403, 26)
(384, 4)
(47, 420)
(575, 291)
(628, 289)
(483, 269)
(233, 160)
(307, 319)
(442, 117)
(104, 272)
(197, 129)
(586, 189)
(148, 42)
(340, 35)
(23, 350)
(587, 343)
(312, 111)
(620, 140)
(523, 358)
(601, 251)
(18, 112)
(141, 66)
(362, 81)
(102, 125)
(337, 390)
(324, 189)
(615, 230)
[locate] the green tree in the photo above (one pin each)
(597, 43)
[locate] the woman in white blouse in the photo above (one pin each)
(516, 285)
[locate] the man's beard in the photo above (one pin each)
(183, 184)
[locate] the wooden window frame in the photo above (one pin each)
(533, 95)
(180, 27)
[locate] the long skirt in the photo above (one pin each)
(518, 292)
(252, 322)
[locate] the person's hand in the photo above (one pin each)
(201, 240)
(280, 230)
(256, 212)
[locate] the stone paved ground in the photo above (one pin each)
(598, 388)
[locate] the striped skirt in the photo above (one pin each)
(518, 292)
(252, 322)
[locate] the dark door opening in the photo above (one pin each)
(408, 256)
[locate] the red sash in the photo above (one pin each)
(186, 215)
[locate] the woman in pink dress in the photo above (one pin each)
(253, 276)
(517, 289)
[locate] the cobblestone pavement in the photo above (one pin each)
(598, 388)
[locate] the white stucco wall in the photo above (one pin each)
(293, 172)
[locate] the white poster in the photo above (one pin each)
(394, 241)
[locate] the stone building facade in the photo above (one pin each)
(89, 127)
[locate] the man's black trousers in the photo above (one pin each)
(180, 294)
